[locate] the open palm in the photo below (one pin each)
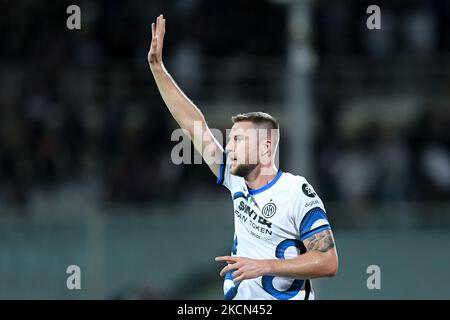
(155, 53)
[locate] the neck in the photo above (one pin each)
(261, 176)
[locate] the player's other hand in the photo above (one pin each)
(156, 47)
(245, 268)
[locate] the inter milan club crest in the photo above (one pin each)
(269, 210)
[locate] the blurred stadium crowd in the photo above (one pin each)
(383, 102)
(81, 107)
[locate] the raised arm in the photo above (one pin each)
(183, 110)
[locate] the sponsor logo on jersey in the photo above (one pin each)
(311, 203)
(308, 190)
(255, 224)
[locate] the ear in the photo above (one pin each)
(267, 147)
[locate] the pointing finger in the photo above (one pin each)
(228, 259)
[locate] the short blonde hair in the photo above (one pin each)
(257, 117)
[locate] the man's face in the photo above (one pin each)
(243, 148)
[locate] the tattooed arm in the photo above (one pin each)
(321, 241)
(320, 260)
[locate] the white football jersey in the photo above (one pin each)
(271, 223)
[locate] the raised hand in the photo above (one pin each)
(155, 53)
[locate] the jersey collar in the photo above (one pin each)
(267, 186)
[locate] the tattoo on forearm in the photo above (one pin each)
(322, 241)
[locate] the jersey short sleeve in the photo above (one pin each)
(309, 213)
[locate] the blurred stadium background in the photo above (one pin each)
(85, 170)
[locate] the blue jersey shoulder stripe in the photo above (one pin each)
(308, 234)
(310, 218)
